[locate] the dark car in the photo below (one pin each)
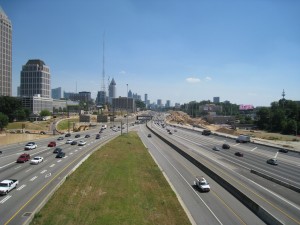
(77, 135)
(240, 154)
(60, 138)
(74, 143)
(57, 150)
(68, 135)
(60, 155)
(87, 136)
(23, 158)
(149, 135)
(272, 161)
(226, 146)
(283, 150)
(97, 136)
(206, 132)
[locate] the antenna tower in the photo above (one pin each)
(103, 69)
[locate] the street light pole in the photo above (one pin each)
(127, 109)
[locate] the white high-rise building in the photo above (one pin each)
(111, 91)
(5, 55)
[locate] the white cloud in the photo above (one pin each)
(208, 78)
(192, 80)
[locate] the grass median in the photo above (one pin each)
(119, 184)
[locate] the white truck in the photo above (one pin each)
(202, 184)
(243, 139)
(7, 185)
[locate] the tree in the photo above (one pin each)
(3, 120)
(140, 104)
(45, 112)
(8, 106)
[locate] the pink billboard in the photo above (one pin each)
(246, 107)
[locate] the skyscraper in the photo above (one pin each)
(35, 79)
(56, 93)
(5, 55)
(111, 91)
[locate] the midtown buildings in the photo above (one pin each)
(5, 55)
(111, 91)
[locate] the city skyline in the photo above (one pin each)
(170, 50)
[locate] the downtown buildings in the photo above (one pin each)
(5, 55)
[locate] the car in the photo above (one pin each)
(69, 141)
(77, 135)
(37, 160)
(216, 148)
(60, 155)
(67, 135)
(97, 136)
(87, 136)
(42, 132)
(272, 161)
(81, 143)
(202, 184)
(23, 158)
(240, 154)
(74, 143)
(30, 146)
(170, 132)
(57, 150)
(226, 146)
(52, 144)
(283, 150)
(149, 135)
(60, 138)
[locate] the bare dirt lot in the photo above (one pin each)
(8, 138)
(287, 141)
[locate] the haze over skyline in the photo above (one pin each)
(246, 52)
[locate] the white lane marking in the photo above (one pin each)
(253, 149)
(28, 170)
(66, 156)
(52, 165)
(76, 150)
(5, 199)
(6, 165)
(188, 185)
(236, 144)
(48, 175)
(71, 153)
(21, 187)
(17, 167)
(32, 179)
(44, 171)
(276, 155)
(49, 153)
(59, 160)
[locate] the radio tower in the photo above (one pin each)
(103, 69)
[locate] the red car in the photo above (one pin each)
(23, 158)
(52, 144)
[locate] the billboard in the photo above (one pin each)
(246, 107)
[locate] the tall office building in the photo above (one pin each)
(56, 93)
(35, 79)
(5, 55)
(216, 100)
(111, 91)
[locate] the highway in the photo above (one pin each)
(214, 207)
(36, 182)
(282, 202)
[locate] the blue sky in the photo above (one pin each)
(244, 51)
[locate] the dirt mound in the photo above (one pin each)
(227, 131)
(184, 119)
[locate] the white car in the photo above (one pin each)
(30, 146)
(37, 160)
(81, 143)
(202, 184)
(69, 141)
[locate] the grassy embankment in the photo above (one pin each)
(119, 184)
(66, 124)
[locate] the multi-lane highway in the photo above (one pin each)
(36, 182)
(281, 202)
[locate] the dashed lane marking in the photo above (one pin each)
(32, 179)
(5, 199)
(44, 171)
(253, 149)
(52, 165)
(21, 187)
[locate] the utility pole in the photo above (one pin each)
(127, 109)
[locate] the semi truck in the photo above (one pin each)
(7, 185)
(243, 139)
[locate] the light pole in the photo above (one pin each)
(127, 109)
